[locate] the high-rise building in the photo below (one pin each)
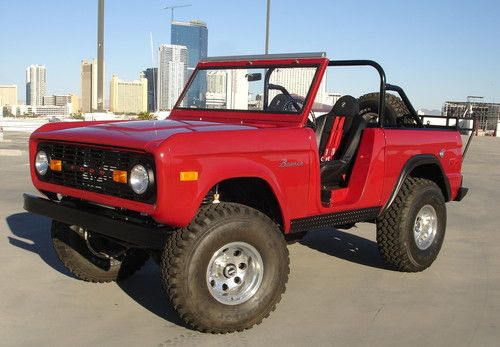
(89, 85)
(298, 81)
(128, 96)
(193, 35)
(216, 81)
(8, 95)
(36, 84)
(237, 90)
(216, 89)
(172, 70)
(227, 89)
(151, 74)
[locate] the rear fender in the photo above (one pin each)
(411, 168)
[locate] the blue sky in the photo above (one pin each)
(436, 50)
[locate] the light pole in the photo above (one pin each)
(267, 25)
(100, 56)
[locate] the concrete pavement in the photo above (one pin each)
(339, 293)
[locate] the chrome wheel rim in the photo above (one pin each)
(425, 227)
(234, 273)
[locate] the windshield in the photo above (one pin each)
(272, 90)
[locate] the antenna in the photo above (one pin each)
(173, 7)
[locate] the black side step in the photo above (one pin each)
(334, 219)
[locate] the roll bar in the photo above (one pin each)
(383, 87)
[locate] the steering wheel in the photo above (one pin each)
(285, 102)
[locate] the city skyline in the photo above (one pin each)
(428, 55)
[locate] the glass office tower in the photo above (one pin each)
(151, 74)
(193, 35)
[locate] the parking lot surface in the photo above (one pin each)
(339, 292)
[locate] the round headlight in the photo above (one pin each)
(41, 163)
(140, 179)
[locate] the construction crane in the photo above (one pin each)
(173, 7)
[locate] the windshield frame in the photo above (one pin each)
(266, 90)
(253, 115)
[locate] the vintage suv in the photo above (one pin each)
(241, 166)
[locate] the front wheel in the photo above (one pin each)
(227, 270)
(410, 233)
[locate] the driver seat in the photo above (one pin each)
(334, 171)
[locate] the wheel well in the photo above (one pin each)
(433, 173)
(253, 192)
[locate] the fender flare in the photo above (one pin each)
(410, 165)
(265, 176)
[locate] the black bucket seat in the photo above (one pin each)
(333, 171)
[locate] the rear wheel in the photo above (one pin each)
(227, 270)
(410, 233)
(93, 258)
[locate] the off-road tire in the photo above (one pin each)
(394, 107)
(189, 251)
(395, 238)
(79, 260)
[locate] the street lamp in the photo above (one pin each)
(267, 25)
(100, 56)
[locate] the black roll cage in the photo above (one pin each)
(384, 86)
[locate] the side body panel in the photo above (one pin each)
(267, 154)
(403, 144)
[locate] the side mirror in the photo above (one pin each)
(251, 77)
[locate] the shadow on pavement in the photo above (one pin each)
(34, 231)
(345, 246)
(146, 289)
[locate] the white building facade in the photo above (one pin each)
(36, 84)
(172, 74)
(237, 90)
(298, 81)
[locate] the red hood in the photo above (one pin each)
(129, 134)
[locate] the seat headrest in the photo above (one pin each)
(346, 106)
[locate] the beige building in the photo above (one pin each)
(128, 96)
(89, 85)
(62, 100)
(8, 95)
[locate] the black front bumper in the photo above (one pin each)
(135, 234)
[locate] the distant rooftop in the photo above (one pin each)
(193, 23)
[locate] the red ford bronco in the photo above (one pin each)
(244, 162)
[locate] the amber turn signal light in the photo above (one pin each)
(55, 165)
(186, 176)
(120, 176)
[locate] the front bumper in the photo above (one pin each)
(141, 235)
